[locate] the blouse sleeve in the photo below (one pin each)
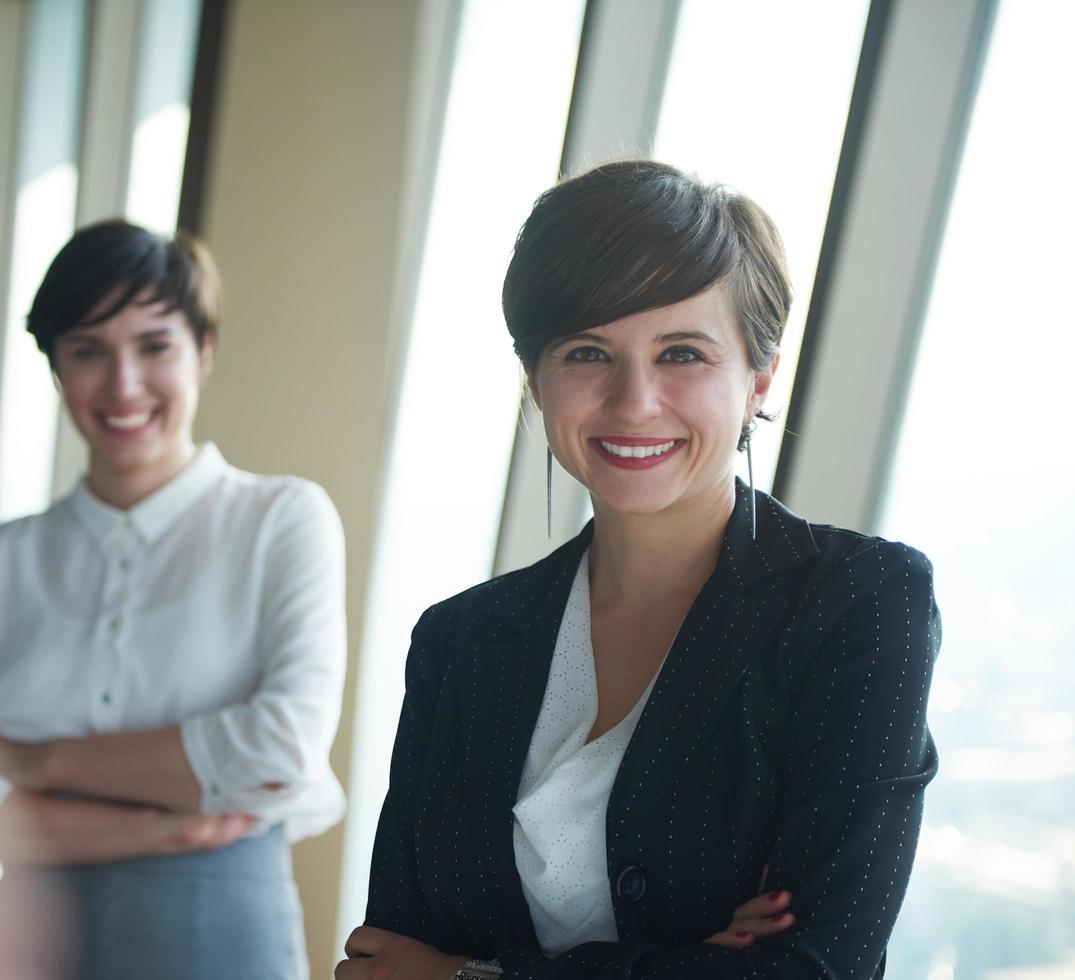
(259, 756)
(858, 760)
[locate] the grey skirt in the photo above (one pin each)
(227, 914)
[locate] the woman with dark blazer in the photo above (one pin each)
(702, 696)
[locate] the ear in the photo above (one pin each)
(205, 359)
(763, 381)
(531, 383)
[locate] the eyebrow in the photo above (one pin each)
(677, 336)
(84, 334)
(573, 338)
(680, 335)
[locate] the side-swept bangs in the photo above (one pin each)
(637, 235)
(105, 266)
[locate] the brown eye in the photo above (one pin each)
(585, 355)
(681, 355)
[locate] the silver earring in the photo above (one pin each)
(548, 490)
(753, 498)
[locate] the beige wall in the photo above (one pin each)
(303, 212)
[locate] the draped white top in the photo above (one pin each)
(559, 831)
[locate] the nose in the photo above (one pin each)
(125, 376)
(634, 395)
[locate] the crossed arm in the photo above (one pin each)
(145, 773)
(252, 757)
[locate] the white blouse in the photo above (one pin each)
(217, 603)
(559, 831)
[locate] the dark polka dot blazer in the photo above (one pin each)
(787, 728)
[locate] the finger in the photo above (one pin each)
(202, 831)
(235, 824)
(764, 926)
(352, 970)
(733, 939)
(365, 941)
(194, 830)
(227, 829)
(763, 905)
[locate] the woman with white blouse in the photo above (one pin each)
(599, 757)
(173, 642)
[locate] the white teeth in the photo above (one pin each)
(127, 421)
(636, 452)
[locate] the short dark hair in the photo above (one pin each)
(636, 235)
(116, 257)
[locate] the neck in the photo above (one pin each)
(637, 558)
(123, 489)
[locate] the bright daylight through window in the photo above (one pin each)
(983, 482)
(767, 117)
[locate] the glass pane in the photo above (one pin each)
(167, 47)
(459, 396)
(757, 97)
(45, 191)
(983, 482)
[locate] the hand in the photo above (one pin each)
(765, 915)
(23, 763)
(177, 833)
(377, 954)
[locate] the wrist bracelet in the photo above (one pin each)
(479, 970)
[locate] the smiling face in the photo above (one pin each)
(646, 412)
(131, 385)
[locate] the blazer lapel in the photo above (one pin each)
(722, 633)
(501, 687)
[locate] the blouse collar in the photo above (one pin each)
(151, 517)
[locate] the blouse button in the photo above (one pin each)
(631, 884)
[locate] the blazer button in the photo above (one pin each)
(631, 884)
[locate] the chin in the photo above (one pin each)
(132, 458)
(639, 505)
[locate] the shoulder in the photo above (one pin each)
(816, 553)
(527, 602)
(867, 602)
(852, 560)
(35, 529)
(827, 574)
(516, 599)
(281, 500)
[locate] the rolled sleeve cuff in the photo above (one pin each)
(305, 811)
(200, 757)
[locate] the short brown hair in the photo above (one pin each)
(116, 257)
(637, 235)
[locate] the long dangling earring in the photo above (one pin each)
(753, 497)
(548, 490)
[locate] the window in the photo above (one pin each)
(459, 394)
(45, 192)
(983, 482)
(168, 43)
(71, 170)
(757, 98)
